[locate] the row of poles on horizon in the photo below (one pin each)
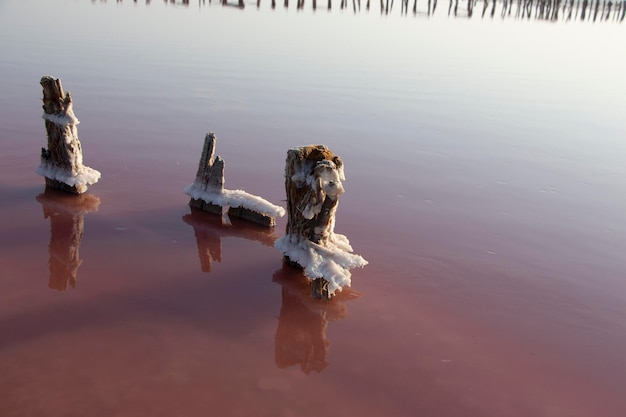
(551, 10)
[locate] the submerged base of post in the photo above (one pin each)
(238, 212)
(320, 288)
(204, 206)
(52, 183)
(253, 216)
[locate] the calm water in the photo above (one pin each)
(485, 162)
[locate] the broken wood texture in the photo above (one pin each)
(208, 193)
(62, 162)
(313, 178)
(209, 231)
(66, 213)
(313, 183)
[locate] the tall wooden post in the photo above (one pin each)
(62, 163)
(313, 183)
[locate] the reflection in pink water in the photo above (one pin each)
(66, 213)
(210, 229)
(303, 321)
(484, 188)
(169, 318)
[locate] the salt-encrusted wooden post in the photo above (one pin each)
(313, 182)
(207, 192)
(210, 175)
(66, 214)
(62, 163)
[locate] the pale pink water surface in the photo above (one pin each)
(485, 174)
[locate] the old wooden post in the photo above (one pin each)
(62, 163)
(210, 175)
(207, 192)
(313, 183)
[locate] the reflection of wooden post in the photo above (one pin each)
(62, 163)
(210, 230)
(313, 182)
(301, 334)
(208, 241)
(66, 230)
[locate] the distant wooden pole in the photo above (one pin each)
(62, 163)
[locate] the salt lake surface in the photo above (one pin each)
(485, 163)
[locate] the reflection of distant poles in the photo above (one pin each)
(240, 4)
(210, 229)
(455, 10)
(600, 10)
(301, 334)
(544, 9)
(66, 213)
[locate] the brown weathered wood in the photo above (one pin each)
(211, 168)
(313, 184)
(203, 205)
(62, 161)
(303, 198)
(313, 176)
(207, 191)
(253, 216)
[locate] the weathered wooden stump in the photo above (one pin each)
(313, 183)
(62, 163)
(66, 213)
(207, 192)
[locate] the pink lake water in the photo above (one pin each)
(485, 186)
